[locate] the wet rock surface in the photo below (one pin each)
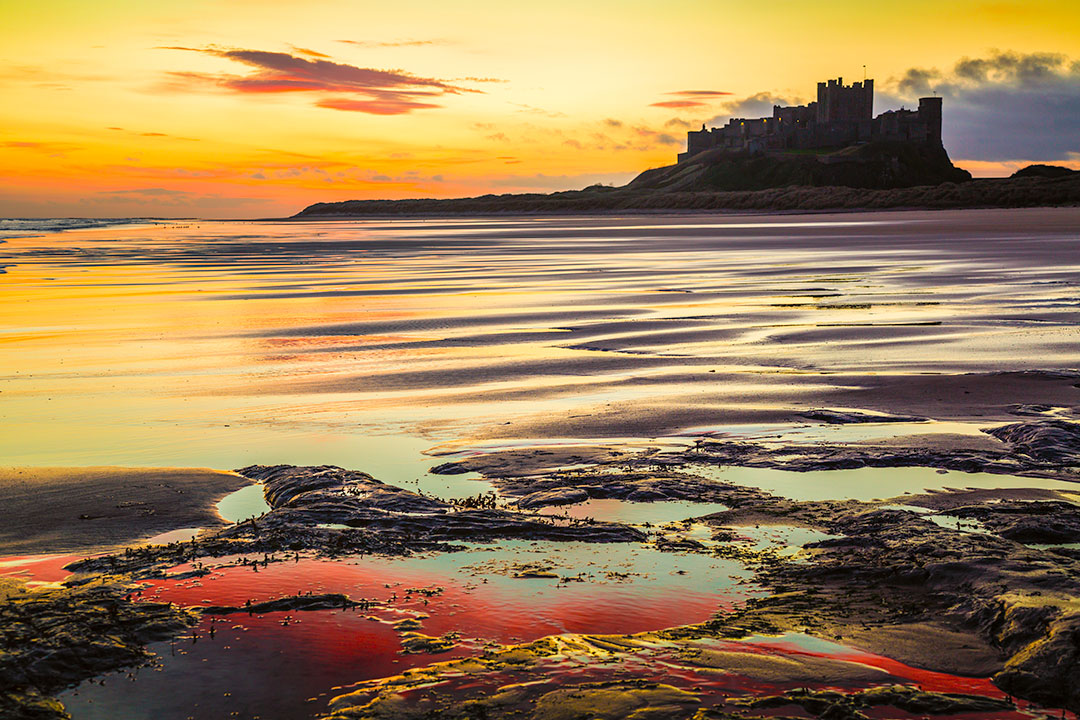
(563, 488)
(649, 675)
(338, 512)
(1055, 441)
(323, 601)
(1027, 522)
(854, 417)
(52, 638)
(892, 580)
(308, 496)
(850, 706)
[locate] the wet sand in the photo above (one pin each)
(58, 510)
(365, 343)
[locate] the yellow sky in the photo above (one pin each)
(240, 108)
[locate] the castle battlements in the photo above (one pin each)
(842, 115)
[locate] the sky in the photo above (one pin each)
(258, 108)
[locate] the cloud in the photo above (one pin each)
(393, 43)
(339, 85)
(54, 149)
(522, 107)
(679, 104)
(1000, 108)
(378, 106)
(480, 79)
(309, 52)
(700, 93)
(753, 106)
(149, 192)
(691, 98)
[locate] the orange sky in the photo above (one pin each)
(246, 108)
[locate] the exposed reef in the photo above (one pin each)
(944, 583)
(973, 600)
(51, 638)
(335, 512)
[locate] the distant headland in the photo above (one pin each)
(831, 154)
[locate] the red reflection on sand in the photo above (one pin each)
(37, 568)
(465, 605)
(924, 679)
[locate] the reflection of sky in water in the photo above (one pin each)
(257, 666)
(634, 513)
(838, 433)
(247, 502)
(869, 483)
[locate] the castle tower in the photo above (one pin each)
(930, 114)
(838, 104)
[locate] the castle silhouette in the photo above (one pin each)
(842, 116)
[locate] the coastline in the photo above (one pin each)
(1004, 193)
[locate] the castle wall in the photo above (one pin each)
(841, 116)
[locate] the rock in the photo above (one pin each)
(559, 496)
(414, 642)
(849, 417)
(54, 638)
(325, 601)
(450, 468)
(1055, 441)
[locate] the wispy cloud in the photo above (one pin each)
(676, 104)
(393, 43)
(532, 110)
(700, 93)
(56, 149)
(752, 106)
(339, 86)
(691, 98)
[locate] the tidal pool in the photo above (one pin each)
(286, 664)
(869, 483)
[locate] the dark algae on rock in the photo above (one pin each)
(53, 638)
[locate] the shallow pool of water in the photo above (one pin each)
(634, 513)
(867, 484)
(257, 666)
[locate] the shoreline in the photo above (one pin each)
(996, 193)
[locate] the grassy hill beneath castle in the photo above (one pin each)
(875, 176)
(879, 166)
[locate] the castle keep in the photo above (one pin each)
(842, 115)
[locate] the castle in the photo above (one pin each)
(843, 115)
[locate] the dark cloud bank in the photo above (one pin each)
(1003, 107)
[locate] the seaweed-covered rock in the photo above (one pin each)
(1045, 440)
(57, 637)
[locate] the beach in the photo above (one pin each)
(674, 464)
